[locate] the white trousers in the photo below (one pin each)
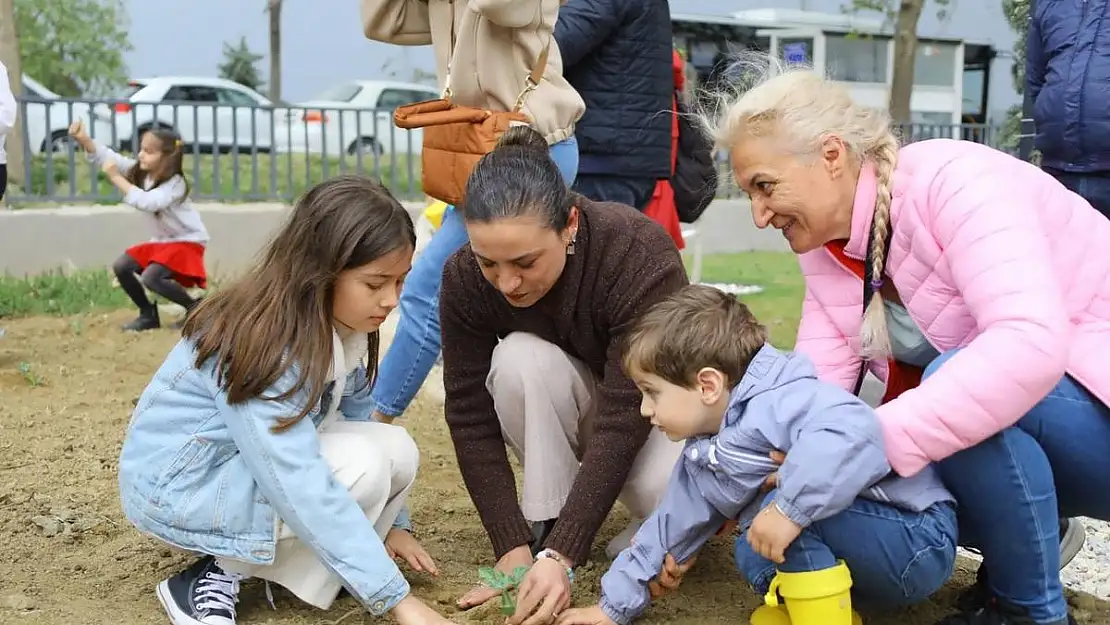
(377, 463)
(545, 402)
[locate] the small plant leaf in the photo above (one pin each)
(491, 577)
(508, 604)
(517, 575)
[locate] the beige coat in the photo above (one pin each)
(497, 44)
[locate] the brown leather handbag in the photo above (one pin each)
(455, 137)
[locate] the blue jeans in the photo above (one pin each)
(417, 341)
(1013, 487)
(1093, 188)
(896, 557)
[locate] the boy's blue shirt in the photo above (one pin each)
(834, 453)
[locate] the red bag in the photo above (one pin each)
(662, 209)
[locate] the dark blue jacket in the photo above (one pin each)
(1068, 75)
(618, 55)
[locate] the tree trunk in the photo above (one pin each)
(9, 56)
(905, 53)
(275, 50)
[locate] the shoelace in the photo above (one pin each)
(218, 591)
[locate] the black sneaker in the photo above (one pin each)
(202, 594)
(1072, 537)
(540, 531)
(147, 320)
(998, 613)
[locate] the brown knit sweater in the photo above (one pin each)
(623, 262)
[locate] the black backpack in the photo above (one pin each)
(695, 173)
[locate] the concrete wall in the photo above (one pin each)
(39, 240)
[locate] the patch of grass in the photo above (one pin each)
(227, 177)
(59, 293)
(779, 306)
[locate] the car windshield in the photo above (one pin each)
(340, 93)
(132, 88)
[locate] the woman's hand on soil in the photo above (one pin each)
(402, 544)
(544, 593)
(412, 611)
(670, 578)
(772, 481)
(584, 616)
(521, 556)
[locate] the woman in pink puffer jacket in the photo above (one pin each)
(974, 285)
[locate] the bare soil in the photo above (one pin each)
(67, 388)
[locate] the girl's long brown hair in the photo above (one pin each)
(173, 164)
(279, 315)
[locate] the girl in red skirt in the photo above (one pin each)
(173, 260)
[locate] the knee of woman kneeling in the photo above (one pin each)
(938, 362)
(521, 356)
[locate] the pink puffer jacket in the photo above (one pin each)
(988, 253)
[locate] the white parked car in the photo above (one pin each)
(352, 117)
(209, 113)
(46, 117)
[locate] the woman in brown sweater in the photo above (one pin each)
(532, 314)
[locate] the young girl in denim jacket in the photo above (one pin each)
(253, 444)
(154, 184)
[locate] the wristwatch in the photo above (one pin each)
(550, 554)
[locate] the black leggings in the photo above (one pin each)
(157, 278)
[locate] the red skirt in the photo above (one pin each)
(184, 258)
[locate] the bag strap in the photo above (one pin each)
(534, 78)
(530, 83)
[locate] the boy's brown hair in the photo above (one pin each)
(695, 327)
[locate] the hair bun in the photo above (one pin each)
(524, 136)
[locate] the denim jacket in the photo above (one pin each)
(213, 478)
(834, 454)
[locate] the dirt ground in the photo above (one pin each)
(67, 388)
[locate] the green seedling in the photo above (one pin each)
(29, 374)
(505, 582)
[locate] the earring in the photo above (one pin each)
(570, 246)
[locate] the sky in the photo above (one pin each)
(323, 44)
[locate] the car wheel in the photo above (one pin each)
(367, 146)
(58, 142)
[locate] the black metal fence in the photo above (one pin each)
(241, 153)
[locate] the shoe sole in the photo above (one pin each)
(1071, 542)
(177, 617)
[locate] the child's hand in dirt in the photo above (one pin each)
(402, 544)
(670, 578)
(519, 557)
(772, 532)
(584, 616)
(412, 611)
(110, 168)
